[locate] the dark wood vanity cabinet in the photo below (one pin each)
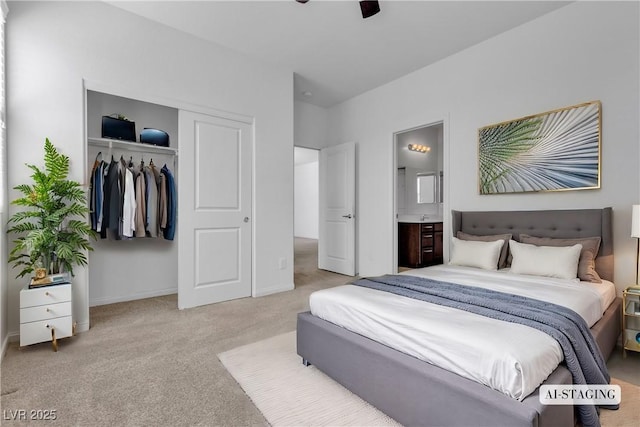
(419, 244)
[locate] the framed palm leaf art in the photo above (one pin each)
(553, 151)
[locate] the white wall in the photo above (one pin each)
(48, 60)
(584, 51)
(306, 198)
(310, 125)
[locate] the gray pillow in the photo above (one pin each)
(502, 260)
(587, 263)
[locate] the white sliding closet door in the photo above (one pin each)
(215, 163)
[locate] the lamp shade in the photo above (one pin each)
(635, 221)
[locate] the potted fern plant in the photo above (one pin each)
(53, 235)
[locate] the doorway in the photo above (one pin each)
(305, 213)
(419, 193)
(306, 193)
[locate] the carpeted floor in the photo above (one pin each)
(146, 363)
(308, 397)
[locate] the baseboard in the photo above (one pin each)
(274, 290)
(3, 350)
(11, 337)
(82, 327)
(132, 297)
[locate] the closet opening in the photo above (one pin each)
(128, 264)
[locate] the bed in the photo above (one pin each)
(415, 392)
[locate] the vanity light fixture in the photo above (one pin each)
(419, 148)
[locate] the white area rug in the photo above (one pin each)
(290, 394)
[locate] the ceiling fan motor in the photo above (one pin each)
(368, 8)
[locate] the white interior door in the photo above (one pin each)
(214, 209)
(337, 231)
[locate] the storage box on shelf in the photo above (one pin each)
(631, 319)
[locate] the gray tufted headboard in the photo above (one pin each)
(549, 223)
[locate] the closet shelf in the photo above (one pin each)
(131, 146)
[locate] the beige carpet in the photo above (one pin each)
(287, 393)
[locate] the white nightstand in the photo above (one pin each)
(45, 314)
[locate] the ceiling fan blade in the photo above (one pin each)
(369, 8)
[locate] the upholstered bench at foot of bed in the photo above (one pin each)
(414, 392)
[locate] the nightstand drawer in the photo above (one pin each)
(35, 332)
(45, 295)
(43, 312)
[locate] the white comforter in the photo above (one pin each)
(511, 358)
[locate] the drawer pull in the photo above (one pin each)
(48, 311)
(47, 293)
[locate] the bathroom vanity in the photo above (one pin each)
(419, 243)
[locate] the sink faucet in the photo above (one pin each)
(424, 217)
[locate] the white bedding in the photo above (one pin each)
(511, 358)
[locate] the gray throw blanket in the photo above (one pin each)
(581, 353)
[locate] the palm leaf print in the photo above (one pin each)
(552, 151)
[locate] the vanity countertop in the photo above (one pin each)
(421, 221)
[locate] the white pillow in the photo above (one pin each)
(478, 254)
(548, 261)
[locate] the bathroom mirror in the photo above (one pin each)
(426, 186)
(429, 187)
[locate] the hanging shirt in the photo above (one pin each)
(112, 198)
(141, 205)
(152, 204)
(93, 214)
(128, 205)
(144, 170)
(172, 205)
(162, 203)
(104, 167)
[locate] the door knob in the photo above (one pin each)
(346, 216)
(246, 219)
